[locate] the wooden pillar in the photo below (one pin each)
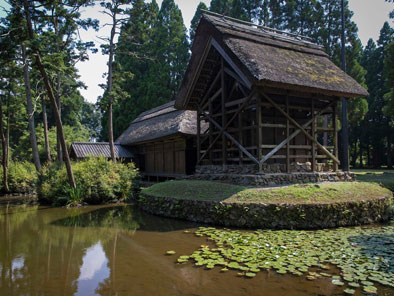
(287, 136)
(313, 146)
(224, 140)
(198, 136)
(335, 135)
(259, 140)
(210, 131)
(240, 135)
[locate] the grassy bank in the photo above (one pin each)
(293, 194)
(384, 177)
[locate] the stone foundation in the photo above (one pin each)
(276, 216)
(248, 175)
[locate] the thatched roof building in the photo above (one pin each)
(261, 56)
(80, 150)
(163, 141)
(159, 122)
(262, 91)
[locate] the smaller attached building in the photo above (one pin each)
(81, 150)
(163, 141)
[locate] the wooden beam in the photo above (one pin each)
(198, 136)
(231, 138)
(211, 99)
(259, 140)
(335, 135)
(293, 135)
(234, 75)
(287, 136)
(313, 166)
(229, 61)
(223, 87)
(210, 118)
(240, 136)
(322, 148)
(204, 99)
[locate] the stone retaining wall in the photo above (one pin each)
(272, 179)
(274, 216)
(275, 168)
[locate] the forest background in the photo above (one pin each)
(150, 56)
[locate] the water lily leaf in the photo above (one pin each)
(337, 283)
(250, 274)
(170, 252)
(349, 291)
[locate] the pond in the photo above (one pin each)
(119, 250)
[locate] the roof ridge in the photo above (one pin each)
(263, 31)
(156, 109)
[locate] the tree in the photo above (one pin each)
(195, 20)
(44, 75)
(114, 9)
(171, 49)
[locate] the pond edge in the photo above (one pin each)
(272, 216)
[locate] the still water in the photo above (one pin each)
(119, 250)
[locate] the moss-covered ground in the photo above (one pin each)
(384, 177)
(293, 194)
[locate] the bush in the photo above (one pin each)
(98, 181)
(22, 177)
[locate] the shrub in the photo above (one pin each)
(22, 177)
(98, 181)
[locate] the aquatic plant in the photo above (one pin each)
(364, 255)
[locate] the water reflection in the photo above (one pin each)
(118, 251)
(94, 270)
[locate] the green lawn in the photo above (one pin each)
(384, 177)
(293, 194)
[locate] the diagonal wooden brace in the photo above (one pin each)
(300, 129)
(231, 138)
(245, 102)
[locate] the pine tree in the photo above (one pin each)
(171, 50)
(195, 20)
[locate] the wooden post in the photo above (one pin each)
(335, 135)
(210, 133)
(259, 140)
(198, 136)
(224, 140)
(287, 136)
(313, 146)
(240, 136)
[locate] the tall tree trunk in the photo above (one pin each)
(51, 97)
(30, 113)
(57, 94)
(46, 138)
(389, 159)
(4, 159)
(109, 89)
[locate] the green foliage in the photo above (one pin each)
(22, 151)
(22, 177)
(195, 21)
(98, 181)
(388, 71)
(153, 46)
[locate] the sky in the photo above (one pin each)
(369, 15)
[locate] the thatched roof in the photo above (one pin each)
(262, 57)
(85, 149)
(159, 122)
